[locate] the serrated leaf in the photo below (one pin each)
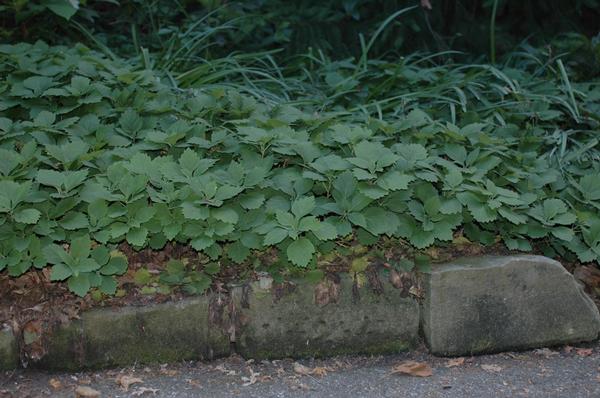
(202, 242)
(137, 236)
(27, 216)
(74, 220)
(300, 252)
(108, 285)
(303, 206)
(60, 272)
(116, 266)
(325, 231)
(225, 214)
(563, 233)
(192, 211)
(79, 284)
(395, 180)
(252, 201)
(237, 252)
(275, 236)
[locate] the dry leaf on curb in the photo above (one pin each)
(223, 369)
(455, 362)
(319, 371)
(139, 391)
(125, 381)
(301, 369)
(86, 392)
(491, 368)
(584, 352)
(306, 371)
(412, 368)
(55, 384)
(248, 381)
(168, 372)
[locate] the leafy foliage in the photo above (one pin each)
(96, 152)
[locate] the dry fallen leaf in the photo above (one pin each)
(491, 368)
(55, 384)
(169, 372)
(139, 391)
(86, 392)
(319, 371)
(413, 368)
(584, 352)
(125, 381)
(223, 369)
(193, 382)
(395, 279)
(301, 369)
(306, 371)
(455, 362)
(248, 381)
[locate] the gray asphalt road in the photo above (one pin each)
(560, 372)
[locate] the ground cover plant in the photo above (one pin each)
(97, 152)
(259, 162)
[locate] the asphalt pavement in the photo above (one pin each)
(557, 372)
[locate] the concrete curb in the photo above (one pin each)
(468, 308)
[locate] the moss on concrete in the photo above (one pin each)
(357, 322)
(9, 355)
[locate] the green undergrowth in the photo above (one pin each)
(96, 152)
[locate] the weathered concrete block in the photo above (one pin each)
(292, 324)
(490, 304)
(9, 355)
(116, 337)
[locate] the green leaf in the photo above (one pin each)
(590, 186)
(79, 284)
(108, 285)
(60, 272)
(80, 247)
(212, 268)
(87, 265)
(50, 177)
(237, 252)
(325, 231)
(285, 219)
(300, 252)
(359, 264)
(395, 180)
(116, 266)
(63, 8)
(275, 236)
(303, 206)
(314, 276)
(252, 201)
(27, 216)
(225, 214)
(202, 242)
(74, 220)
(192, 211)
(137, 236)
(55, 254)
(563, 233)
(142, 277)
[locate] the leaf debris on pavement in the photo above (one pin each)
(413, 368)
(125, 381)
